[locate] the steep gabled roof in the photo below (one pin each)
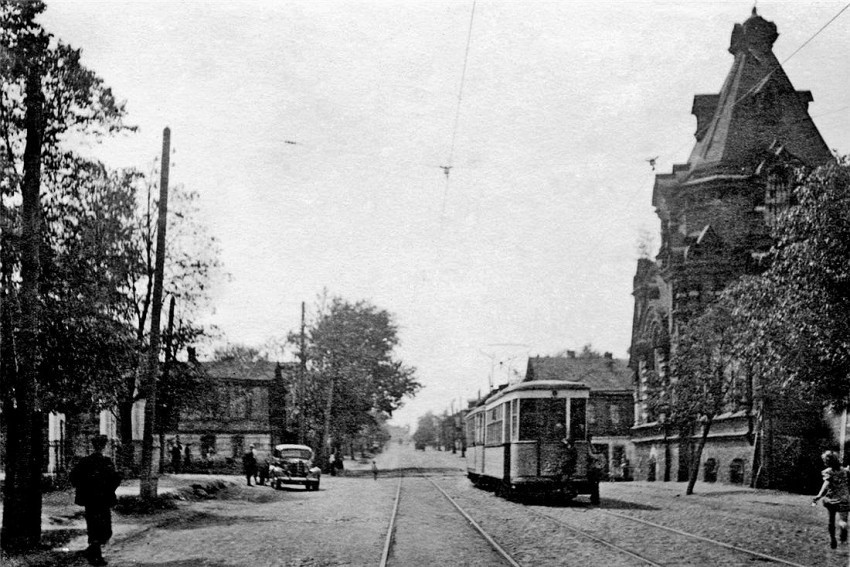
(756, 108)
(600, 374)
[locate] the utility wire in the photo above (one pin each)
(449, 165)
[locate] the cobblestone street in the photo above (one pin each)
(346, 521)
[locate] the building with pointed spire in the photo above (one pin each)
(715, 212)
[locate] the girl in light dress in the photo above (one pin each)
(835, 493)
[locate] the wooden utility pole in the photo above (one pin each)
(302, 378)
(148, 481)
(169, 358)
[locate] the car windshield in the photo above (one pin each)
(305, 454)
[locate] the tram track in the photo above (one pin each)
(390, 540)
(644, 560)
(658, 550)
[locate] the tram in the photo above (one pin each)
(531, 437)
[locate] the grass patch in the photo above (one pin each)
(137, 506)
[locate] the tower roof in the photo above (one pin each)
(757, 108)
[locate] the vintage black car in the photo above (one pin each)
(293, 464)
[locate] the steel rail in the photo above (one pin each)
(388, 543)
(599, 540)
(706, 539)
(498, 548)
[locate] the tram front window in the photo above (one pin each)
(539, 419)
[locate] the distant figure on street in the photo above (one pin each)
(338, 465)
(836, 495)
(332, 463)
(95, 479)
(263, 472)
(176, 455)
(249, 465)
(187, 456)
(374, 470)
(627, 469)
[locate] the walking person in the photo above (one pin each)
(249, 464)
(374, 470)
(95, 479)
(835, 493)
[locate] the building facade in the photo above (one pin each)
(715, 212)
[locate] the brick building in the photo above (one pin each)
(249, 409)
(610, 406)
(715, 212)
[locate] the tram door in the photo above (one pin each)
(543, 420)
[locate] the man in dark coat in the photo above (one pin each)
(95, 479)
(249, 465)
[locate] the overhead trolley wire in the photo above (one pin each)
(447, 168)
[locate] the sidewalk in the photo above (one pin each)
(63, 526)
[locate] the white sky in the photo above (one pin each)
(550, 190)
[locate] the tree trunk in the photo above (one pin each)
(21, 528)
(694, 472)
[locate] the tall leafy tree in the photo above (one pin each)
(191, 266)
(796, 311)
(46, 95)
(705, 374)
(353, 369)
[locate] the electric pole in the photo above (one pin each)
(148, 481)
(302, 377)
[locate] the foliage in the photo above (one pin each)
(426, 430)
(796, 311)
(353, 380)
(704, 365)
(83, 211)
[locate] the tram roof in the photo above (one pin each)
(534, 385)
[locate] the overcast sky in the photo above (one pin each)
(532, 245)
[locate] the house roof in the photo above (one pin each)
(756, 108)
(600, 374)
(240, 369)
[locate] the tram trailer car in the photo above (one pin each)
(531, 438)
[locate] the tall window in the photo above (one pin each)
(495, 417)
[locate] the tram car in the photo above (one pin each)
(531, 438)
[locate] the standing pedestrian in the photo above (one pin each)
(95, 479)
(176, 456)
(249, 464)
(374, 470)
(836, 495)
